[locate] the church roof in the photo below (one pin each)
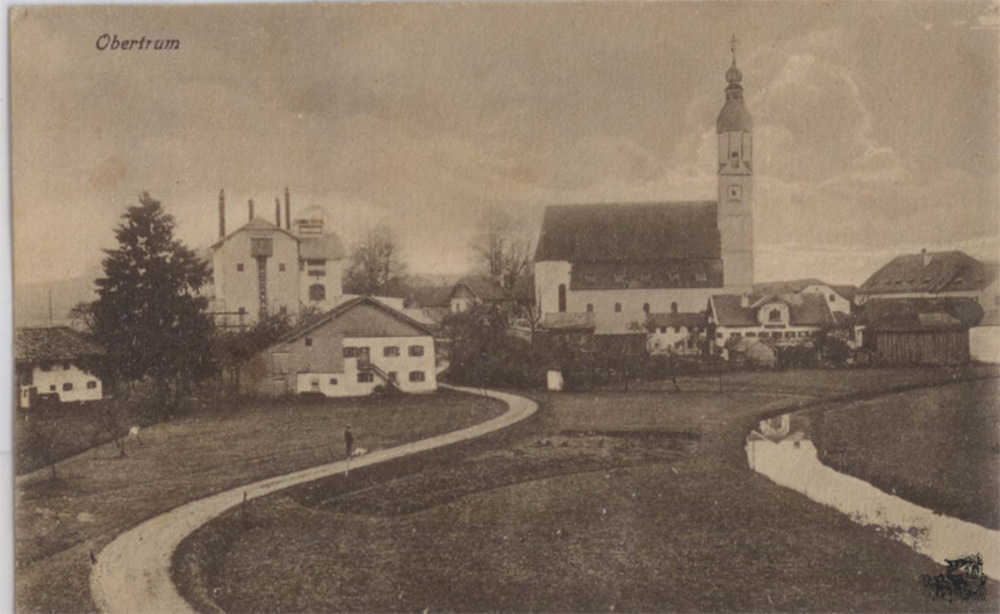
(638, 232)
(933, 273)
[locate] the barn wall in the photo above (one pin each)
(921, 347)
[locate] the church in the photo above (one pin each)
(662, 257)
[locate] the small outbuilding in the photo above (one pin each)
(920, 330)
(53, 361)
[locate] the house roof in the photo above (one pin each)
(667, 320)
(257, 223)
(483, 287)
(597, 323)
(347, 306)
(629, 232)
(51, 344)
(921, 314)
(566, 322)
(798, 285)
(803, 309)
(429, 296)
(325, 247)
(953, 271)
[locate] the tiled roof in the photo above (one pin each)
(484, 287)
(921, 314)
(803, 309)
(953, 271)
(798, 285)
(257, 223)
(629, 232)
(346, 306)
(429, 296)
(52, 344)
(667, 320)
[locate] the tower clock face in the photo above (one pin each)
(735, 192)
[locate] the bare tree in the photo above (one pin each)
(376, 264)
(503, 246)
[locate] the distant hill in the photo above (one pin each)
(31, 301)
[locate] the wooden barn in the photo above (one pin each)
(920, 331)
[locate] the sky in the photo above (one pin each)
(875, 124)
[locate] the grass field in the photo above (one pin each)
(605, 501)
(97, 495)
(938, 448)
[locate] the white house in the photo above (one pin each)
(48, 361)
(788, 319)
(984, 339)
(358, 345)
(262, 268)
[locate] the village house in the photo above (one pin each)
(50, 361)
(263, 268)
(349, 351)
(935, 275)
(840, 297)
(664, 257)
(681, 334)
(787, 319)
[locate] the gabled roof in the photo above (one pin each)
(429, 296)
(629, 232)
(257, 223)
(803, 309)
(794, 286)
(938, 272)
(921, 314)
(483, 287)
(347, 306)
(52, 344)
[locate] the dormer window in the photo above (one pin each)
(774, 315)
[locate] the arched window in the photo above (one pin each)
(645, 307)
(562, 298)
(590, 308)
(317, 292)
(673, 307)
(618, 307)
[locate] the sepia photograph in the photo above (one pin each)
(551, 306)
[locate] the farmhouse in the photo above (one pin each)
(920, 330)
(936, 275)
(263, 268)
(676, 333)
(656, 257)
(349, 351)
(52, 361)
(786, 319)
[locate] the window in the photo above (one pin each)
(242, 311)
(416, 350)
(764, 335)
(91, 385)
(390, 350)
(734, 159)
(618, 307)
(239, 267)
(281, 267)
(562, 298)
(751, 334)
(317, 292)
(788, 335)
(590, 278)
(45, 367)
(645, 307)
(65, 366)
(416, 376)
(314, 384)
(677, 329)
(674, 278)
(774, 315)
(350, 352)
(309, 342)
(735, 335)
(673, 307)
(316, 262)
(52, 387)
(701, 276)
(68, 386)
(366, 377)
(393, 376)
(333, 381)
(261, 246)
(302, 265)
(590, 307)
(833, 298)
(718, 335)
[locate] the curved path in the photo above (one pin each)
(133, 572)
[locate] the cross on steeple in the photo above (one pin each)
(732, 47)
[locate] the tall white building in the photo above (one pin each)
(262, 268)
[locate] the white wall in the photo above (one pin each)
(984, 343)
(836, 302)
(235, 289)
(62, 374)
(347, 383)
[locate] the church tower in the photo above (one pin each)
(735, 130)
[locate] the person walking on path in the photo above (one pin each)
(349, 444)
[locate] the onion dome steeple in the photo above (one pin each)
(734, 116)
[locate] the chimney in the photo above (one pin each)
(277, 212)
(927, 258)
(251, 209)
(222, 214)
(288, 211)
(745, 300)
